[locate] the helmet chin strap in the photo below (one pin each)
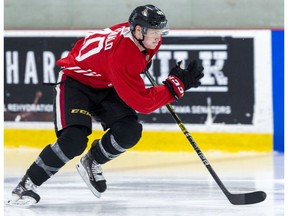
(140, 41)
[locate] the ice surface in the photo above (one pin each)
(154, 184)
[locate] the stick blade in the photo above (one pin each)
(247, 198)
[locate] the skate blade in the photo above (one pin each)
(82, 172)
(23, 202)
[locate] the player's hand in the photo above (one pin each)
(180, 80)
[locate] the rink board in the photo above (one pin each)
(232, 110)
(155, 140)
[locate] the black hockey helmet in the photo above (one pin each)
(148, 16)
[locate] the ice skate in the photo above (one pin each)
(91, 173)
(24, 195)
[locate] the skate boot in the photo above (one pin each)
(24, 195)
(91, 173)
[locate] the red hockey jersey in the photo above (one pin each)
(110, 58)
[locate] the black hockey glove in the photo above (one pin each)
(180, 80)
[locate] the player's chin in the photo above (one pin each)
(153, 45)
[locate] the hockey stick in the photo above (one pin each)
(236, 199)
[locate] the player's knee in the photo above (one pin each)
(73, 140)
(127, 132)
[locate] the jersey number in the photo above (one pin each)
(83, 54)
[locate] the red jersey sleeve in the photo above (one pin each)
(126, 79)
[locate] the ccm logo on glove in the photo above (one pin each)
(180, 80)
(176, 86)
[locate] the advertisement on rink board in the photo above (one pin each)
(227, 95)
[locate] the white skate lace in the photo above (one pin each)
(97, 171)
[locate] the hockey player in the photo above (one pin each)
(101, 78)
